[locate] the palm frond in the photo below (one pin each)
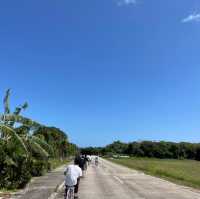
(37, 148)
(43, 144)
(9, 132)
(17, 111)
(6, 102)
(9, 161)
(25, 106)
(19, 119)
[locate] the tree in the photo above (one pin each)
(55, 138)
(134, 149)
(117, 147)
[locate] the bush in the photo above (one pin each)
(15, 171)
(24, 172)
(18, 163)
(14, 175)
(39, 167)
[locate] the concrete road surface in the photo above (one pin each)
(112, 181)
(42, 187)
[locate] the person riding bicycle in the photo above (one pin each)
(96, 160)
(89, 159)
(86, 160)
(72, 177)
(79, 159)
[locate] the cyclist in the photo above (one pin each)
(89, 159)
(96, 160)
(79, 159)
(72, 177)
(86, 161)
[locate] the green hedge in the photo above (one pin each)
(39, 167)
(17, 171)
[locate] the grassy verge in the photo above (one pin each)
(184, 172)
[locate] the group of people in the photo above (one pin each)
(74, 172)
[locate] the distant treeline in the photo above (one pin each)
(171, 150)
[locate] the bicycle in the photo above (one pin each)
(69, 192)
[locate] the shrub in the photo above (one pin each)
(15, 171)
(39, 167)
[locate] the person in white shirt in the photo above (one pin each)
(72, 177)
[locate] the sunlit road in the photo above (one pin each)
(111, 181)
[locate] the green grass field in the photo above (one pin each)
(185, 172)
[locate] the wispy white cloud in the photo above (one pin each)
(192, 17)
(126, 2)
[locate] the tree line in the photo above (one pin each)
(151, 149)
(28, 148)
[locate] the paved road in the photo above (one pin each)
(111, 181)
(42, 187)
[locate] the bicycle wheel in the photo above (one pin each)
(69, 193)
(72, 193)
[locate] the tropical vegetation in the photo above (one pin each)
(28, 148)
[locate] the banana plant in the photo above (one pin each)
(27, 142)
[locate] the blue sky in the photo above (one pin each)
(104, 70)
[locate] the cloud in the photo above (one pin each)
(192, 17)
(126, 2)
